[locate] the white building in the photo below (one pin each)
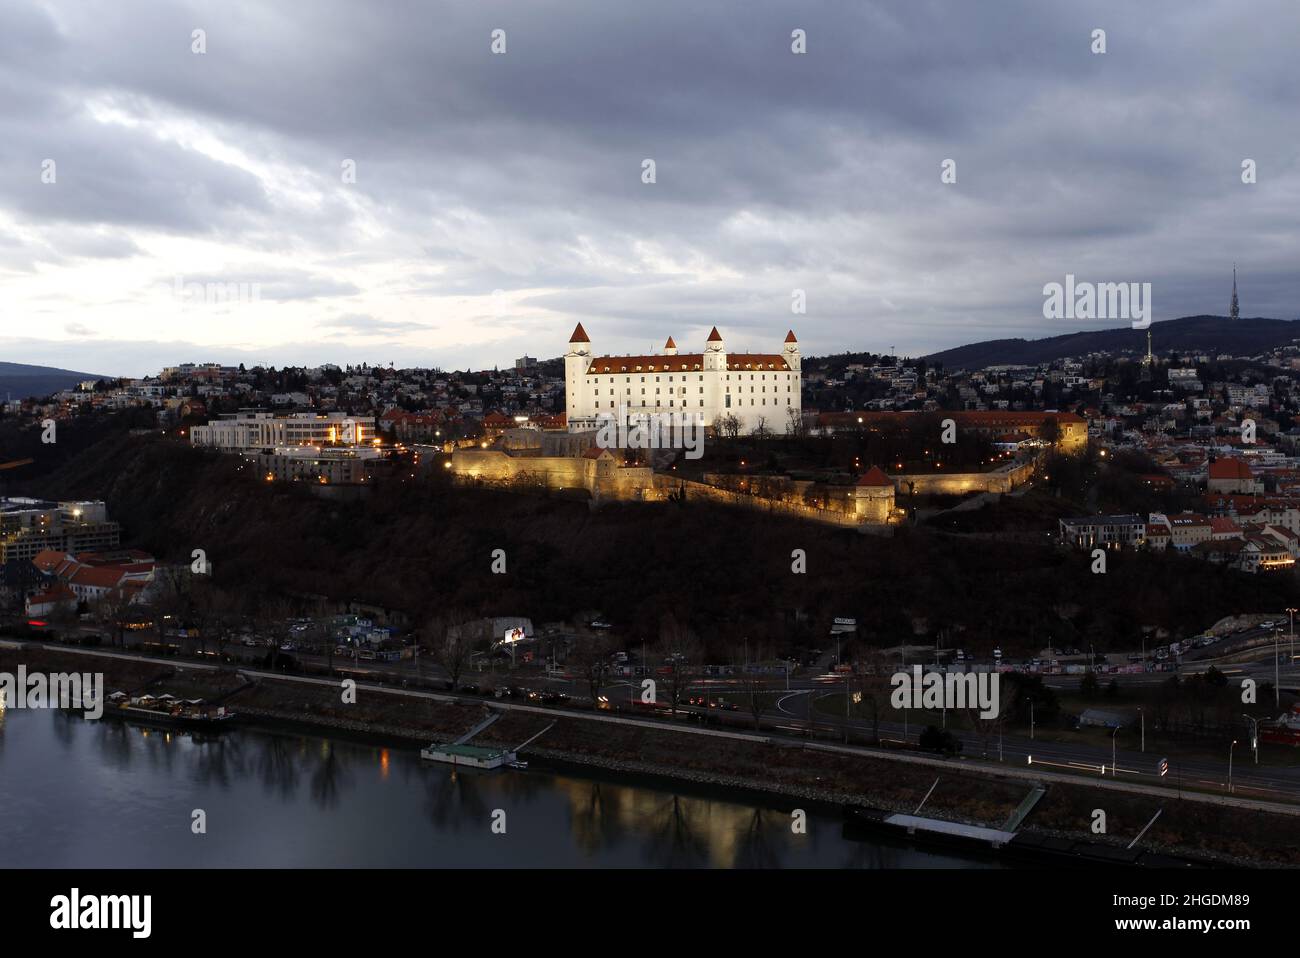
(261, 430)
(756, 388)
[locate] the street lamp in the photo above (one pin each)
(1143, 719)
(1254, 735)
(1112, 749)
(1031, 720)
(1291, 611)
(1230, 748)
(1277, 691)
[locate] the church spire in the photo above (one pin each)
(1233, 311)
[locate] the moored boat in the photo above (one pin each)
(169, 710)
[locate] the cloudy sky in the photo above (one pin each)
(498, 198)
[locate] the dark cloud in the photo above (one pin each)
(522, 172)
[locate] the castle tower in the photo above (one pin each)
(575, 372)
(790, 351)
(1233, 310)
(715, 353)
(670, 347)
(873, 496)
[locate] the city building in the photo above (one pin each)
(1108, 532)
(244, 432)
(31, 526)
(324, 465)
(89, 576)
(1233, 476)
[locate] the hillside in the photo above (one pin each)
(1207, 334)
(427, 547)
(21, 381)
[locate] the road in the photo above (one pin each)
(790, 714)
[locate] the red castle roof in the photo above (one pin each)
(874, 477)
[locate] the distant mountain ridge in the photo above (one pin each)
(1199, 334)
(21, 381)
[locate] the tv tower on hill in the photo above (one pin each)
(1233, 311)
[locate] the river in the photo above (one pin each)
(92, 794)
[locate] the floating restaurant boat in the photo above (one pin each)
(169, 710)
(475, 756)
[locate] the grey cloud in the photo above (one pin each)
(819, 171)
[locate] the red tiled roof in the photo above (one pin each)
(670, 344)
(1230, 469)
(99, 578)
(715, 336)
(47, 560)
(789, 337)
(685, 362)
(874, 477)
(579, 335)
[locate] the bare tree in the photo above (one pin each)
(113, 609)
(753, 686)
(589, 656)
(452, 639)
(679, 645)
(794, 422)
(268, 614)
(761, 429)
(727, 425)
(984, 727)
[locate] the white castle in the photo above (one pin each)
(758, 389)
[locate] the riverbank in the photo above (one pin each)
(785, 771)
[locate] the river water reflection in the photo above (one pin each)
(82, 794)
